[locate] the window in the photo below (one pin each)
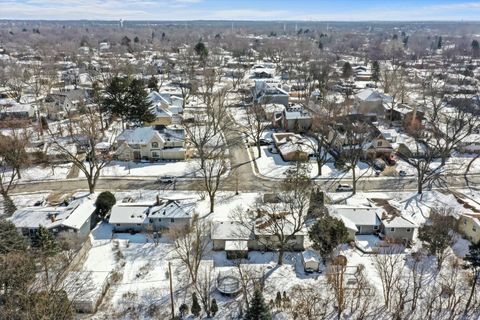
(118, 224)
(392, 229)
(154, 154)
(154, 144)
(379, 143)
(151, 220)
(409, 230)
(172, 220)
(375, 227)
(464, 221)
(138, 224)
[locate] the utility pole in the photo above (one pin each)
(171, 288)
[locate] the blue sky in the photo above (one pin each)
(345, 10)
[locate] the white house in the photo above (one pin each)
(74, 217)
(146, 143)
(162, 214)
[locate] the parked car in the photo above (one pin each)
(344, 188)
(265, 142)
(165, 179)
(402, 173)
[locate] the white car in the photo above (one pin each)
(344, 188)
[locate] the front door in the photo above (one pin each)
(136, 155)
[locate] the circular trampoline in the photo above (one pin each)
(228, 285)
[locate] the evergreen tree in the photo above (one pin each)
(258, 309)
(473, 257)
(10, 239)
(327, 233)
(214, 307)
(278, 300)
(183, 310)
(105, 201)
(195, 305)
(126, 41)
(375, 71)
(45, 242)
(201, 50)
(139, 104)
(115, 98)
(475, 48)
(153, 83)
(136, 39)
(347, 70)
(439, 43)
(128, 99)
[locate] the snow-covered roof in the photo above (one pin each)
(230, 230)
(141, 135)
(399, 222)
(310, 255)
(359, 215)
(140, 213)
(372, 95)
(74, 215)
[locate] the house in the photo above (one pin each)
(295, 118)
(399, 229)
(236, 238)
(409, 117)
(166, 107)
(265, 93)
(362, 73)
(356, 132)
(291, 146)
(370, 102)
(469, 225)
(158, 215)
(11, 109)
(233, 237)
(146, 143)
(61, 104)
(366, 219)
(274, 113)
(72, 217)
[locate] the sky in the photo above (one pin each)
(309, 10)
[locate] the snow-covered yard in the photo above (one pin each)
(271, 165)
(171, 168)
(42, 172)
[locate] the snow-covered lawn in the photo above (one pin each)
(171, 168)
(42, 172)
(271, 165)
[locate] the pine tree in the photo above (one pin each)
(278, 300)
(139, 105)
(105, 201)
(327, 233)
(258, 309)
(183, 310)
(45, 242)
(10, 239)
(473, 257)
(195, 305)
(214, 307)
(375, 71)
(153, 83)
(347, 70)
